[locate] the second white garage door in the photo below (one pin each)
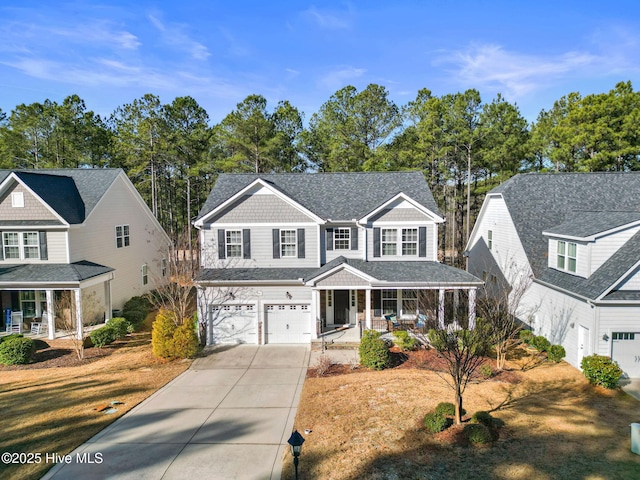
(626, 351)
(288, 323)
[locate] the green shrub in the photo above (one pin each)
(436, 422)
(185, 343)
(10, 336)
(119, 325)
(405, 341)
(136, 310)
(486, 370)
(445, 408)
(374, 351)
(478, 434)
(556, 353)
(601, 370)
(164, 327)
(483, 418)
(526, 336)
(540, 343)
(16, 350)
(103, 336)
(135, 317)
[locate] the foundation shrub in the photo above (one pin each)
(374, 351)
(119, 325)
(16, 350)
(601, 370)
(556, 353)
(526, 336)
(164, 327)
(185, 342)
(103, 336)
(541, 344)
(405, 341)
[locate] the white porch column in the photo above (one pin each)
(472, 308)
(315, 313)
(79, 324)
(51, 316)
(367, 311)
(107, 300)
(456, 302)
(441, 308)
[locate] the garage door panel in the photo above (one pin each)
(233, 324)
(288, 323)
(626, 351)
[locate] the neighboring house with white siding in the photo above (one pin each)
(577, 236)
(82, 237)
(286, 257)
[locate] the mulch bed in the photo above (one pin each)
(60, 353)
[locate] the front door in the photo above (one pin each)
(583, 342)
(341, 307)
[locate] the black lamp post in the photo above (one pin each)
(296, 440)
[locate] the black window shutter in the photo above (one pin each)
(301, 246)
(276, 243)
(1, 246)
(354, 238)
(44, 254)
(246, 243)
(221, 245)
(422, 242)
(329, 238)
(376, 242)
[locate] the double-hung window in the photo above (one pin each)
(567, 253)
(233, 243)
(409, 241)
(341, 238)
(145, 274)
(11, 245)
(122, 236)
(399, 241)
(389, 241)
(31, 244)
(389, 301)
(20, 245)
(288, 244)
(409, 301)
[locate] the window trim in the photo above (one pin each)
(564, 259)
(124, 237)
(389, 242)
(343, 238)
(144, 271)
(228, 243)
(21, 245)
(405, 243)
(490, 239)
(163, 267)
(400, 243)
(283, 244)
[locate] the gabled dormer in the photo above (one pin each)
(582, 244)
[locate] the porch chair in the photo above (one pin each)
(392, 322)
(38, 327)
(16, 323)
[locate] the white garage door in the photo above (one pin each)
(233, 324)
(288, 323)
(626, 351)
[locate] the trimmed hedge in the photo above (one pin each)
(170, 340)
(556, 353)
(446, 408)
(540, 343)
(601, 370)
(119, 325)
(16, 350)
(374, 351)
(436, 422)
(103, 336)
(478, 434)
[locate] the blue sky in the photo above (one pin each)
(110, 52)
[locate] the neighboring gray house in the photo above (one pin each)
(577, 236)
(82, 237)
(286, 257)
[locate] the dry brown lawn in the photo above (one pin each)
(52, 410)
(367, 425)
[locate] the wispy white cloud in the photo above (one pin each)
(329, 20)
(515, 74)
(340, 77)
(174, 36)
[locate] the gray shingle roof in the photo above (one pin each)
(73, 193)
(336, 196)
(539, 202)
(433, 273)
(44, 273)
(586, 224)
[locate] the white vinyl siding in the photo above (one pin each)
(604, 247)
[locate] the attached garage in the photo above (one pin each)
(288, 323)
(625, 350)
(233, 324)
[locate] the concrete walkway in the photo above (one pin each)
(228, 417)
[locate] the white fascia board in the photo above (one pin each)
(12, 176)
(403, 196)
(619, 280)
(342, 266)
(258, 182)
(476, 224)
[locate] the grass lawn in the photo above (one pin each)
(368, 424)
(52, 410)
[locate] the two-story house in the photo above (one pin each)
(81, 240)
(576, 236)
(286, 257)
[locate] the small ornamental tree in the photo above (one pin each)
(463, 352)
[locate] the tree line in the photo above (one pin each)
(464, 145)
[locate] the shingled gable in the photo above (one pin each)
(330, 196)
(579, 205)
(71, 193)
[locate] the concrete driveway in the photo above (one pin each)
(228, 417)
